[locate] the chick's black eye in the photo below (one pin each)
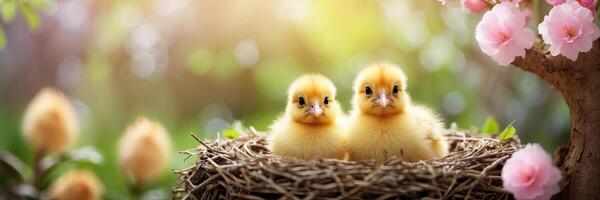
(368, 91)
(301, 101)
(326, 101)
(395, 89)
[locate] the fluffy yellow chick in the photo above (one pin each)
(76, 185)
(311, 126)
(384, 122)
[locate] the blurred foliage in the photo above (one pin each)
(197, 66)
(28, 8)
(490, 126)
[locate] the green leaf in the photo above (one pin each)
(230, 133)
(57, 165)
(490, 126)
(2, 39)
(507, 133)
(235, 130)
(13, 166)
(7, 10)
(53, 166)
(32, 18)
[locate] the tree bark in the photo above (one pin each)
(579, 83)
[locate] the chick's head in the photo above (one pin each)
(311, 100)
(380, 89)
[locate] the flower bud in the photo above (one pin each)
(50, 123)
(144, 150)
(76, 185)
(474, 6)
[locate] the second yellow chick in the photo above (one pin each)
(384, 122)
(311, 125)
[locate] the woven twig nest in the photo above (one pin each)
(243, 168)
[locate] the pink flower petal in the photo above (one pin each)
(582, 45)
(525, 38)
(503, 57)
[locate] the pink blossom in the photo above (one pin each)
(474, 6)
(590, 4)
(556, 2)
(502, 34)
(529, 174)
(569, 29)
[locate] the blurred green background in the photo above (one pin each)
(198, 65)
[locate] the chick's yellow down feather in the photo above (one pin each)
(384, 123)
(311, 126)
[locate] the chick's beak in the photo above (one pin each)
(315, 109)
(382, 100)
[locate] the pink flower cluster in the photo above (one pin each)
(530, 174)
(568, 29)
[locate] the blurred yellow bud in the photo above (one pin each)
(50, 123)
(76, 185)
(144, 150)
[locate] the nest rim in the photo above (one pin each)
(243, 168)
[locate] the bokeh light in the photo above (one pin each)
(197, 66)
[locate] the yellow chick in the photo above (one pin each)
(311, 126)
(384, 122)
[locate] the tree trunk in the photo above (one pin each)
(579, 83)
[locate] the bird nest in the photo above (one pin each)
(243, 168)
